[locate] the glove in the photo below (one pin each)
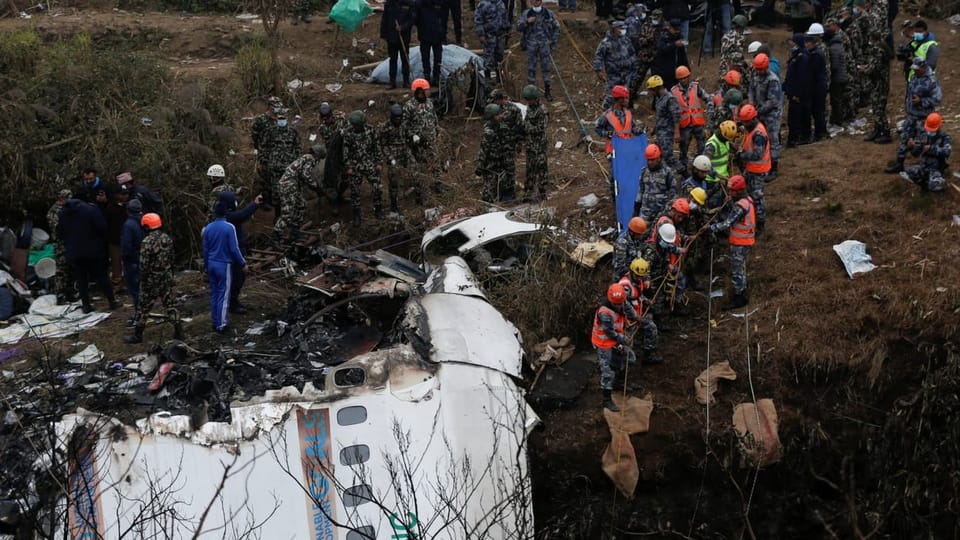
(620, 348)
(416, 139)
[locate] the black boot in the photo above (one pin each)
(378, 211)
(135, 337)
(651, 358)
(736, 301)
(546, 92)
(895, 168)
(883, 137)
(873, 135)
(608, 401)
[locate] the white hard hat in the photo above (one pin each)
(668, 233)
(702, 163)
(216, 171)
(753, 47)
(816, 29)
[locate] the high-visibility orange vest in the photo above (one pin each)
(717, 98)
(624, 130)
(633, 293)
(599, 338)
(743, 232)
(655, 236)
(691, 110)
(762, 165)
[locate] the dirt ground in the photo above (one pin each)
(834, 354)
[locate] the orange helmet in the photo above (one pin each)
(151, 221)
(933, 122)
(732, 77)
(681, 206)
(737, 182)
(682, 72)
(619, 91)
(652, 152)
(747, 112)
(616, 294)
(420, 84)
(761, 61)
(637, 225)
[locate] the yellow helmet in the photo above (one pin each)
(654, 82)
(640, 267)
(699, 195)
(728, 129)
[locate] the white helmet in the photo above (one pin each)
(668, 233)
(816, 29)
(702, 163)
(216, 171)
(753, 47)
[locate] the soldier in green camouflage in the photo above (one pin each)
(280, 145)
(511, 118)
(331, 123)
(395, 144)
(218, 183)
(535, 143)
(263, 121)
(731, 48)
(496, 163)
(156, 280)
(422, 126)
(290, 190)
(361, 160)
(63, 280)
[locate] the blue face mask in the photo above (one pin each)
(931, 133)
(918, 36)
(282, 123)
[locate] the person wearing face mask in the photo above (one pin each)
(645, 44)
(924, 95)
(933, 147)
(280, 145)
(615, 61)
(541, 31)
(925, 46)
(671, 53)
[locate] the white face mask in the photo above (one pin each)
(536, 9)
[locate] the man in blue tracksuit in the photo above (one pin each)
(221, 251)
(130, 237)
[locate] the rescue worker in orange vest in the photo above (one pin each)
(617, 121)
(693, 100)
(627, 247)
(636, 283)
(740, 223)
(755, 156)
(609, 337)
(658, 186)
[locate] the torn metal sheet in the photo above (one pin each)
(424, 439)
(462, 236)
(453, 275)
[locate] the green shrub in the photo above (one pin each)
(253, 66)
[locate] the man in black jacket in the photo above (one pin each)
(84, 232)
(396, 26)
(431, 30)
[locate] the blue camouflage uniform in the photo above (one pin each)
(539, 39)
(927, 88)
(491, 23)
(766, 95)
(667, 110)
(616, 57)
(657, 187)
(933, 150)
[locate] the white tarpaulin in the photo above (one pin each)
(48, 320)
(854, 256)
(454, 58)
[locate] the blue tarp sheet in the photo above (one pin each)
(628, 163)
(454, 57)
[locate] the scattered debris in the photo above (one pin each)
(757, 429)
(854, 256)
(590, 253)
(89, 355)
(620, 459)
(707, 383)
(588, 201)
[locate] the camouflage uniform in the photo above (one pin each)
(717, 113)
(539, 39)
(421, 122)
(657, 187)
(395, 143)
(215, 192)
(615, 56)
(280, 146)
(927, 88)
(731, 52)
(766, 94)
(648, 328)
(156, 279)
(361, 156)
(290, 192)
(667, 110)
(612, 361)
(645, 44)
(756, 181)
(261, 123)
(857, 89)
(929, 173)
(692, 131)
(328, 128)
(63, 279)
(625, 249)
(661, 278)
(535, 130)
(738, 254)
(877, 56)
(491, 23)
(496, 162)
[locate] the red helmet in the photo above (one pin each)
(151, 221)
(737, 183)
(616, 294)
(747, 112)
(761, 61)
(420, 84)
(682, 72)
(681, 206)
(732, 77)
(637, 225)
(619, 91)
(652, 152)
(933, 122)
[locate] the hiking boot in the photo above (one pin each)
(895, 168)
(116, 304)
(87, 308)
(651, 358)
(132, 322)
(884, 137)
(736, 301)
(62, 300)
(135, 337)
(608, 401)
(378, 212)
(546, 92)
(872, 136)
(238, 309)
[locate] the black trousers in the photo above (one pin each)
(397, 50)
(431, 70)
(87, 270)
(798, 121)
(819, 112)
